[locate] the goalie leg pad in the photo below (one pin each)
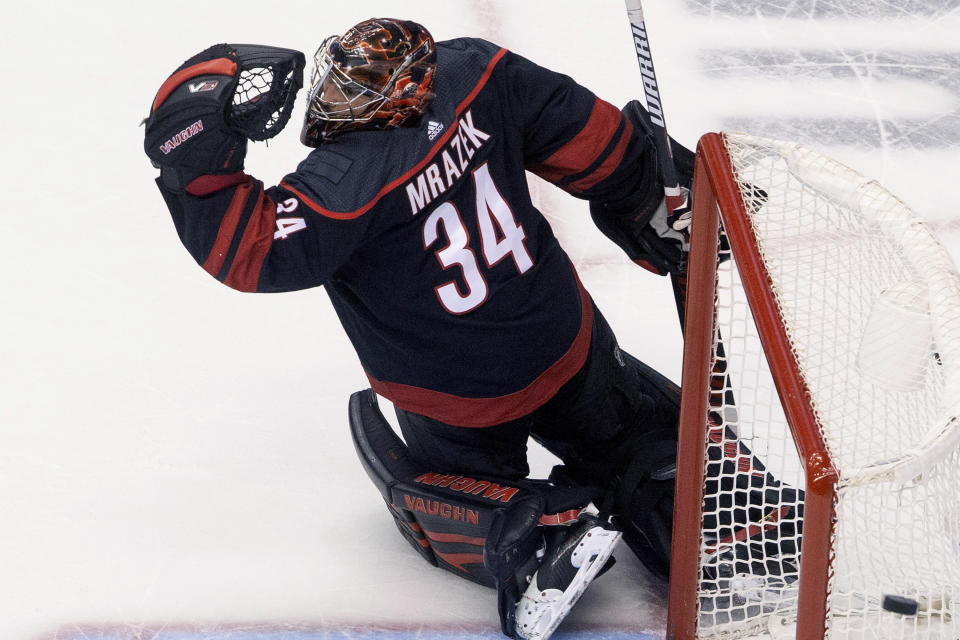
(447, 518)
(644, 466)
(644, 501)
(484, 529)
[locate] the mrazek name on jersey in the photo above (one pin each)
(183, 136)
(444, 171)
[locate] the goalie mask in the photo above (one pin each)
(378, 75)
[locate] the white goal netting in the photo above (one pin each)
(870, 303)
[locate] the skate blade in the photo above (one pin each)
(602, 544)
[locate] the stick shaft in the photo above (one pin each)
(651, 89)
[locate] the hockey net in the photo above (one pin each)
(819, 462)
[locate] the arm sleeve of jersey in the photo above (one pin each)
(576, 140)
(258, 239)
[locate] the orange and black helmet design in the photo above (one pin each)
(377, 75)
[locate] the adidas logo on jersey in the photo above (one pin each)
(433, 129)
(448, 164)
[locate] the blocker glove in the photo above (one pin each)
(653, 232)
(204, 113)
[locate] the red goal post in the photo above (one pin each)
(778, 337)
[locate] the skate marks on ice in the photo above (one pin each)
(870, 94)
(934, 75)
(824, 9)
(317, 632)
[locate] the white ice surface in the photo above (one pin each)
(176, 454)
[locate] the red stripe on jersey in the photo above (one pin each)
(350, 215)
(254, 245)
(486, 412)
(609, 164)
(585, 147)
(228, 227)
(205, 185)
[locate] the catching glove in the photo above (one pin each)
(652, 229)
(204, 113)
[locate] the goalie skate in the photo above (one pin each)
(564, 574)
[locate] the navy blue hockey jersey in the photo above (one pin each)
(456, 295)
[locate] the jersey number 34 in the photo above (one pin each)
(500, 236)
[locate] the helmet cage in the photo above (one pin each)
(378, 75)
(337, 96)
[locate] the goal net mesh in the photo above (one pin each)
(870, 303)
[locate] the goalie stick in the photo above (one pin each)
(721, 397)
(675, 197)
(672, 190)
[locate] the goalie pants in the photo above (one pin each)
(596, 423)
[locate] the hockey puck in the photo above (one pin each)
(900, 604)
